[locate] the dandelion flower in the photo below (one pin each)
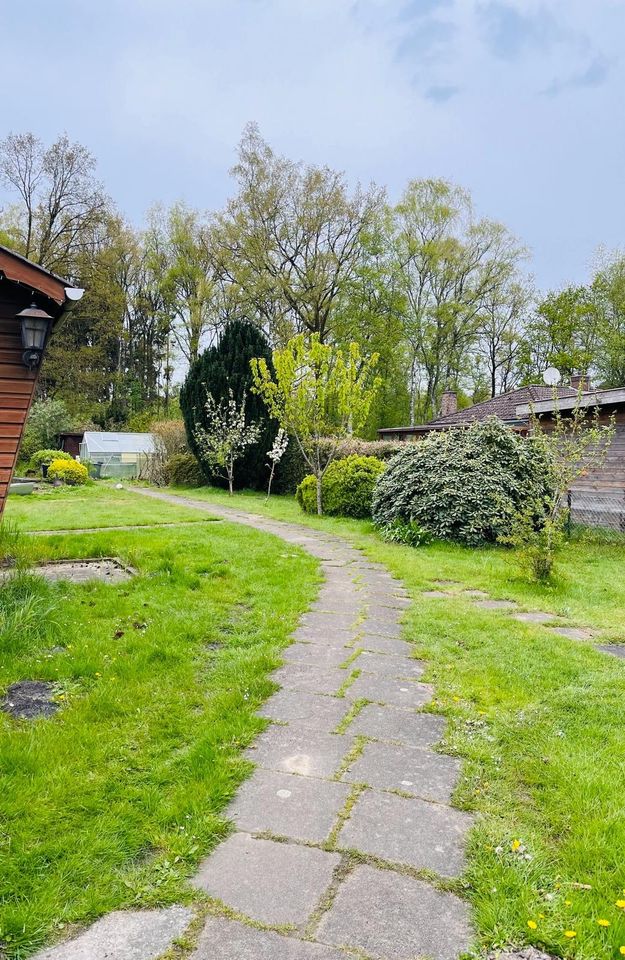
(603, 923)
(621, 904)
(622, 951)
(567, 903)
(532, 924)
(570, 934)
(516, 844)
(98, 674)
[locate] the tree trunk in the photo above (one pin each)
(319, 504)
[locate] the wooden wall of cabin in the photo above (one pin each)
(609, 478)
(17, 382)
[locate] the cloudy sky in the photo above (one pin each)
(519, 101)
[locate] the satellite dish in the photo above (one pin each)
(552, 376)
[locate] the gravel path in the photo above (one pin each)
(348, 811)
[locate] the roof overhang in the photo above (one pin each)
(595, 398)
(37, 281)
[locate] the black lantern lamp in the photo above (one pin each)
(35, 328)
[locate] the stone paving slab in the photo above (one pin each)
(412, 832)
(256, 878)
(328, 621)
(614, 649)
(437, 594)
(381, 628)
(402, 726)
(383, 644)
(301, 808)
(413, 770)
(572, 633)
(300, 708)
(325, 636)
(224, 939)
(317, 655)
(388, 665)
(302, 676)
(534, 616)
(393, 917)
(496, 604)
(124, 935)
(398, 693)
(304, 751)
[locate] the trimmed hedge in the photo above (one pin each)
(346, 489)
(183, 470)
(69, 471)
(465, 484)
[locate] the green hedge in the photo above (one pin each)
(183, 470)
(346, 489)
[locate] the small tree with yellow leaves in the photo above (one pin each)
(320, 394)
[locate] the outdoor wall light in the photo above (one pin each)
(35, 328)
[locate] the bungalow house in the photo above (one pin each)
(599, 497)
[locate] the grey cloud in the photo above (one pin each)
(421, 8)
(509, 33)
(595, 74)
(441, 94)
(425, 39)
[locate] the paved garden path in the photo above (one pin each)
(345, 841)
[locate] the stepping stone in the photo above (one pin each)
(387, 665)
(534, 616)
(412, 832)
(317, 655)
(304, 751)
(383, 644)
(381, 628)
(399, 693)
(387, 915)
(614, 649)
(572, 633)
(30, 699)
(496, 604)
(305, 708)
(274, 883)
(447, 583)
(301, 676)
(387, 723)
(287, 806)
(420, 773)
(436, 594)
(478, 594)
(224, 939)
(124, 935)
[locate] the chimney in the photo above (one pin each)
(449, 403)
(581, 381)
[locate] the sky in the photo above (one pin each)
(520, 102)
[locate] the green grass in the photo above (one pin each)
(539, 722)
(113, 802)
(96, 505)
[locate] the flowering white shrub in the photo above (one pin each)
(276, 453)
(226, 436)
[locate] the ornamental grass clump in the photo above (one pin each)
(466, 484)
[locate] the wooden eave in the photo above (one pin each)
(33, 277)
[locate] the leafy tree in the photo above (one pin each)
(290, 240)
(448, 265)
(46, 420)
(608, 297)
(224, 435)
(222, 369)
(562, 334)
(319, 394)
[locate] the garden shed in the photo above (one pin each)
(117, 454)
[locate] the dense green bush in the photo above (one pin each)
(293, 467)
(464, 484)
(43, 458)
(46, 420)
(69, 471)
(183, 470)
(346, 489)
(222, 368)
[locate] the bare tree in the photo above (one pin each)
(61, 208)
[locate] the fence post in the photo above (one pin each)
(569, 504)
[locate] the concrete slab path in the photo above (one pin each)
(344, 836)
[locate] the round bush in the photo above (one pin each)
(43, 458)
(69, 471)
(464, 484)
(346, 489)
(183, 470)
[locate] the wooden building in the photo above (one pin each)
(32, 301)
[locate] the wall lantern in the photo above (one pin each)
(35, 328)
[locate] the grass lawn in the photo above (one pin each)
(95, 505)
(113, 801)
(540, 723)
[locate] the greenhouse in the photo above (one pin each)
(117, 454)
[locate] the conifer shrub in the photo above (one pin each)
(183, 470)
(466, 484)
(346, 489)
